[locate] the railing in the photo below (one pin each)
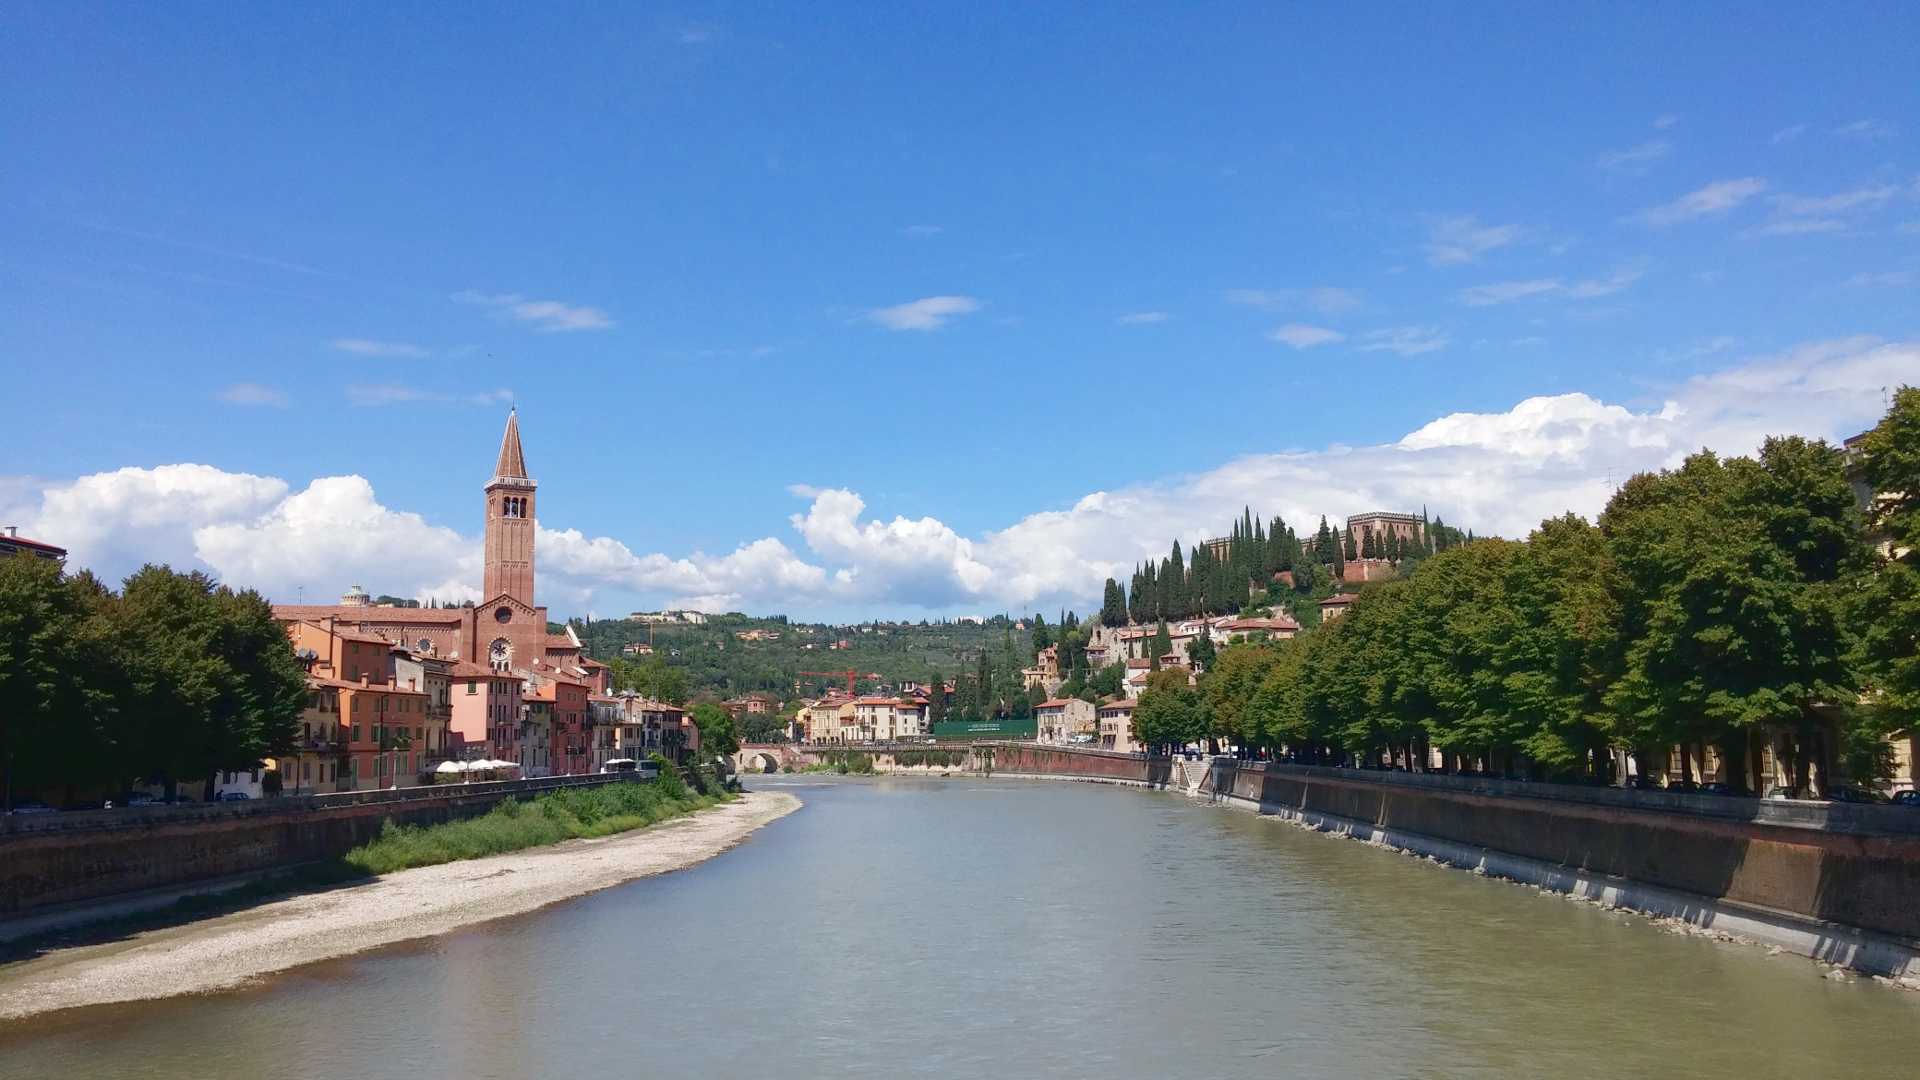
(1791, 813)
(125, 817)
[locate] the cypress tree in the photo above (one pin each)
(1346, 546)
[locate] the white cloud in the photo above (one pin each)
(1618, 281)
(1453, 240)
(552, 316)
(1801, 226)
(1498, 472)
(1530, 342)
(1788, 134)
(1506, 292)
(246, 393)
(1302, 336)
(1325, 299)
(1404, 340)
(373, 395)
(1890, 278)
(1636, 160)
(922, 230)
(1865, 198)
(1665, 121)
(929, 313)
(367, 347)
(1865, 131)
(1142, 318)
(1715, 199)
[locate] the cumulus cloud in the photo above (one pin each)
(1302, 336)
(1498, 471)
(246, 393)
(551, 316)
(1714, 200)
(927, 313)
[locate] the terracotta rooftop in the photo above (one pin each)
(513, 463)
(348, 613)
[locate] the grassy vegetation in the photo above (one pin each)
(842, 762)
(567, 814)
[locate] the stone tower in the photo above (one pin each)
(509, 550)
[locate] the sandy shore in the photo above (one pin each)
(230, 950)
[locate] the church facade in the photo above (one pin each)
(507, 630)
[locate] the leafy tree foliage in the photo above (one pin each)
(1734, 603)
(174, 678)
(718, 735)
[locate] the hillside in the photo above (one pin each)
(718, 659)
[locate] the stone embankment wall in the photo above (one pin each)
(1031, 759)
(1858, 879)
(1816, 874)
(62, 858)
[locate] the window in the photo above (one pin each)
(473, 688)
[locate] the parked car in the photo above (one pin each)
(1715, 787)
(1855, 795)
(233, 796)
(1778, 792)
(1684, 787)
(1908, 797)
(32, 806)
(141, 798)
(1642, 783)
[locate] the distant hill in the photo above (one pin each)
(717, 659)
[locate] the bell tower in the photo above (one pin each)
(509, 548)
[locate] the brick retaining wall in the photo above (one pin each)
(1838, 868)
(56, 859)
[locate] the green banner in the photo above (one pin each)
(982, 729)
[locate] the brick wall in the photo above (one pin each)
(56, 859)
(1833, 865)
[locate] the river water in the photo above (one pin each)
(970, 928)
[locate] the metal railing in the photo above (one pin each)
(147, 816)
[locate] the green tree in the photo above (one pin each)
(936, 700)
(1200, 651)
(1888, 604)
(1160, 645)
(1109, 680)
(1735, 575)
(211, 682)
(53, 728)
(718, 735)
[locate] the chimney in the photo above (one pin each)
(364, 677)
(13, 530)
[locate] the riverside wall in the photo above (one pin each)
(1837, 883)
(55, 859)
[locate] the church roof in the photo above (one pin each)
(513, 463)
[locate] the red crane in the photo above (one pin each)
(850, 675)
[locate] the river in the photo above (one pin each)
(967, 927)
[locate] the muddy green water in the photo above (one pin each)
(1007, 929)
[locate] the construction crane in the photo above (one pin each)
(850, 675)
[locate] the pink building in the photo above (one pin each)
(486, 713)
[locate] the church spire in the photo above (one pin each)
(513, 463)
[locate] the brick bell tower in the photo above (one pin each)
(509, 549)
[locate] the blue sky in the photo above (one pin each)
(975, 264)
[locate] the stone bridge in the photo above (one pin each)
(887, 757)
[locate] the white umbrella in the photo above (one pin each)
(451, 767)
